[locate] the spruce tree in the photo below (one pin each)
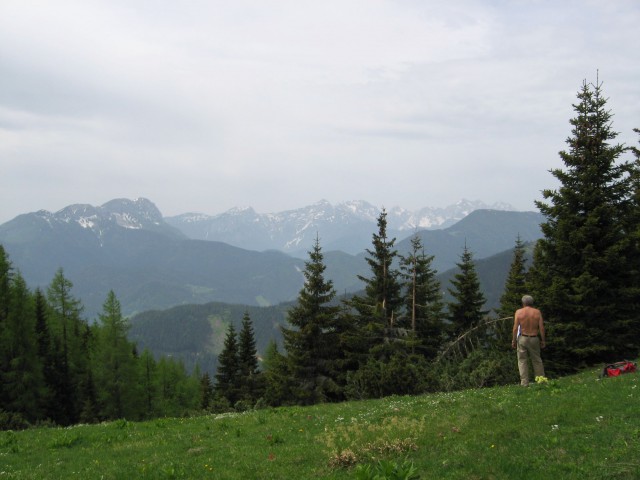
(515, 285)
(228, 372)
(248, 361)
(581, 270)
(381, 305)
(466, 309)
(633, 227)
(423, 300)
(311, 345)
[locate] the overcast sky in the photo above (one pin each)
(205, 105)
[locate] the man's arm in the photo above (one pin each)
(514, 333)
(541, 328)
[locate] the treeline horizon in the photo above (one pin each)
(396, 337)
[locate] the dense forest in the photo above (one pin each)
(398, 336)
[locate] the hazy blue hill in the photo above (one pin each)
(484, 232)
(147, 265)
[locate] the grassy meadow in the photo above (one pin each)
(580, 427)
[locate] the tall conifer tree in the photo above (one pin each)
(382, 303)
(248, 361)
(70, 363)
(115, 367)
(466, 309)
(423, 299)
(312, 344)
(228, 372)
(515, 285)
(581, 267)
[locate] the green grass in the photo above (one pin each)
(578, 427)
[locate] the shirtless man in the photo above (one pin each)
(527, 324)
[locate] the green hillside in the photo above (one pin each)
(577, 427)
(195, 333)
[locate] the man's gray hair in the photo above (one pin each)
(527, 300)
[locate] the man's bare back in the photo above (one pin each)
(530, 321)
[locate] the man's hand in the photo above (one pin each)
(542, 344)
(513, 344)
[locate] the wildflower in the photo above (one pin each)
(599, 418)
(541, 379)
(554, 427)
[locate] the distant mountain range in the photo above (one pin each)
(346, 226)
(127, 246)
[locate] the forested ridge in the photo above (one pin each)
(398, 336)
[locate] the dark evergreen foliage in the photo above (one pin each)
(379, 308)
(279, 381)
(23, 382)
(583, 271)
(250, 378)
(228, 373)
(69, 365)
(57, 368)
(516, 284)
(206, 392)
(115, 366)
(149, 383)
(422, 301)
(466, 309)
(313, 344)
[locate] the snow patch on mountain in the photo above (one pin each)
(346, 226)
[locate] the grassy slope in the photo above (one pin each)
(578, 427)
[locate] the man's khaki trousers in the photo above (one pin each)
(529, 347)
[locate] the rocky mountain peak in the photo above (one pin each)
(345, 226)
(133, 213)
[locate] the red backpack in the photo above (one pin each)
(618, 368)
